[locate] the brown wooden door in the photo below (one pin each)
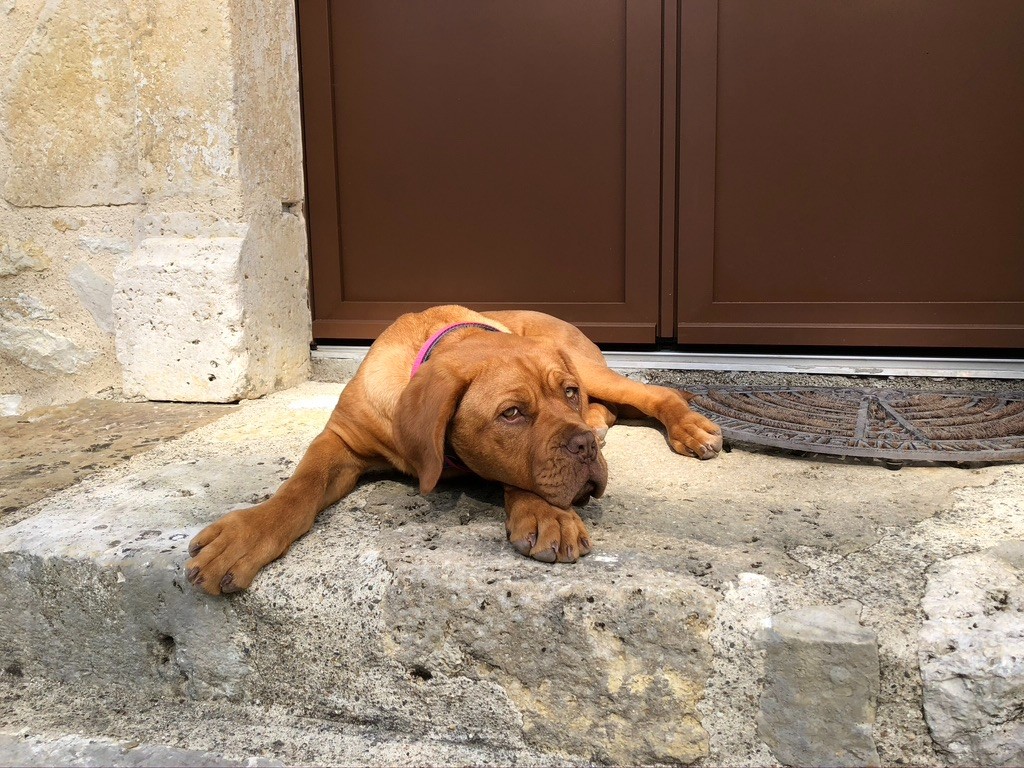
(497, 154)
(851, 173)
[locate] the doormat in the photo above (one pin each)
(892, 425)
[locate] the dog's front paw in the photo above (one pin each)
(545, 533)
(696, 436)
(228, 554)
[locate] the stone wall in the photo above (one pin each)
(151, 226)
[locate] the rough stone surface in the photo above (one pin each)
(24, 750)
(186, 113)
(274, 290)
(267, 87)
(728, 709)
(597, 667)
(45, 301)
(23, 308)
(337, 675)
(197, 321)
(167, 640)
(67, 111)
(821, 689)
(10, 405)
(113, 103)
(972, 656)
(180, 318)
(382, 623)
(97, 245)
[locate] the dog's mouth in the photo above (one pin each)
(593, 485)
(588, 491)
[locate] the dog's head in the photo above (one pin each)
(512, 409)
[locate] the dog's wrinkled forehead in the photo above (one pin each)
(515, 370)
(519, 363)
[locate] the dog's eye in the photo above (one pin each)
(572, 392)
(511, 414)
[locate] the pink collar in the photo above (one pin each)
(432, 342)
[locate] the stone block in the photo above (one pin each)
(971, 649)
(68, 111)
(275, 291)
(186, 116)
(396, 615)
(179, 317)
(213, 319)
(85, 605)
(596, 667)
(821, 689)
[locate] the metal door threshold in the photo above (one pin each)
(936, 367)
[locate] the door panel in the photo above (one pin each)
(499, 154)
(852, 173)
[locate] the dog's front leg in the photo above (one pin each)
(227, 554)
(546, 533)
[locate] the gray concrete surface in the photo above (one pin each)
(405, 630)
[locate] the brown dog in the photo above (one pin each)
(520, 398)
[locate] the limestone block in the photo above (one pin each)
(275, 290)
(971, 650)
(110, 102)
(179, 317)
(215, 319)
(186, 224)
(267, 73)
(821, 689)
(186, 123)
(96, 294)
(595, 668)
(111, 607)
(68, 111)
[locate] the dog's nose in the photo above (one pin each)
(582, 445)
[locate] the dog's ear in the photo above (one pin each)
(424, 409)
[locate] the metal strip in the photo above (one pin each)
(938, 367)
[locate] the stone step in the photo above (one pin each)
(405, 619)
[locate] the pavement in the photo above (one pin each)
(756, 609)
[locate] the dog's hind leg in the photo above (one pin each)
(689, 433)
(227, 554)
